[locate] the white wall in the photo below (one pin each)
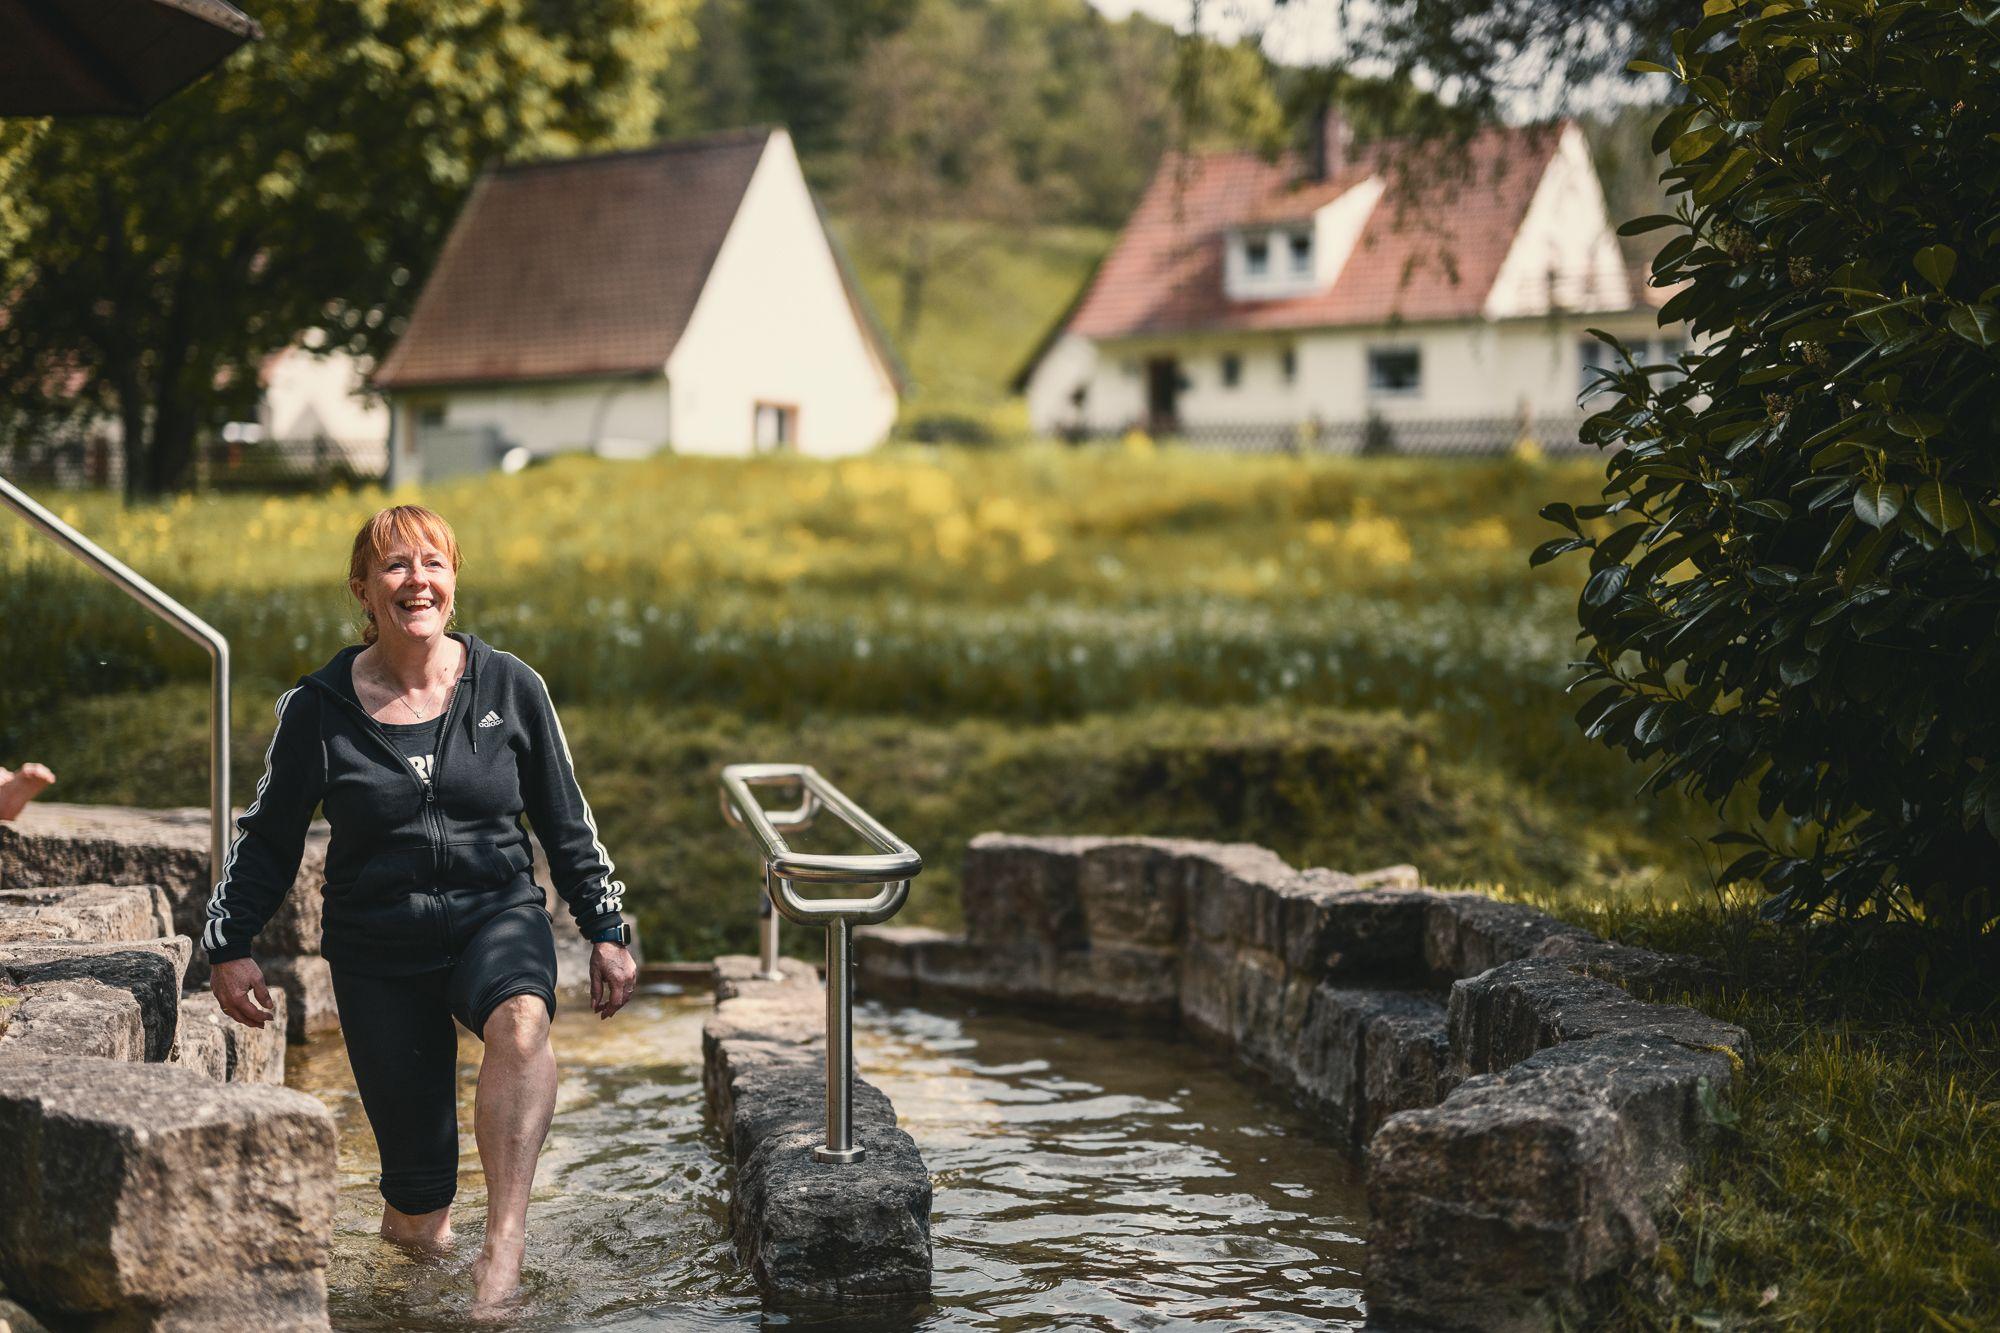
(307, 395)
(1565, 255)
(1469, 369)
(774, 324)
(622, 415)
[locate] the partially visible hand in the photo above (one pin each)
(613, 974)
(239, 988)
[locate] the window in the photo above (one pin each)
(1232, 370)
(1288, 364)
(1591, 356)
(1395, 371)
(1256, 256)
(430, 415)
(777, 426)
(1302, 252)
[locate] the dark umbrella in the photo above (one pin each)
(109, 57)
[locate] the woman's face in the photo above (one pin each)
(410, 591)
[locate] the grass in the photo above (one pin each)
(1855, 1181)
(987, 309)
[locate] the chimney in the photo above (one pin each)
(1327, 153)
(1332, 142)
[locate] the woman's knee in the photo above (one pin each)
(518, 1025)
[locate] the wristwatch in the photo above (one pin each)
(618, 934)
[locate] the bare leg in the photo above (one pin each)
(428, 1232)
(19, 788)
(511, 1113)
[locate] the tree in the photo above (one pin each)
(149, 266)
(1794, 587)
(980, 113)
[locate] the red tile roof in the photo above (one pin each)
(1430, 250)
(579, 267)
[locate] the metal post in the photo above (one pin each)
(840, 1145)
(890, 869)
(140, 590)
(768, 931)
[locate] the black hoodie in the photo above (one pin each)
(414, 860)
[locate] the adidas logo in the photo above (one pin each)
(491, 719)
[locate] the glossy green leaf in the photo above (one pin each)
(1942, 506)
(1936, 263)
(1877, 503)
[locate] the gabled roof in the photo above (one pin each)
(580, 267)
(1430, 249)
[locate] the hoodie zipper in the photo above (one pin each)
(433, 819)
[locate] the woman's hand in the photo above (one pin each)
(239, 988)
(613, 974)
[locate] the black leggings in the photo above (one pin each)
(403, 1046)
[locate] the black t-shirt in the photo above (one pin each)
(416, 741)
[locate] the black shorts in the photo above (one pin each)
(402, 1041)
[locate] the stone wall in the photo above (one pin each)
(810, 1231)
(155, 1176)
(1520, 1111)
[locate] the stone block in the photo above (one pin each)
(885, 957)
(1208, 989)
(53, 843)
(1467, 933)
(1338, 929)
(1132, 894)
(1495, 1207)
(146, 977)
(146, 1196)
(307, 982)
(178, 950)
(85, 912)
(1237, 894)
(1509, 1012)
(77, 1017)
(1405, 1059)
(1352, 1045)
(1390, 877)
(1134, 980)
(1640, 971)
(201, 1042)
(1023, 893)
(809, 1231)
(257, 1055)
(739, 973)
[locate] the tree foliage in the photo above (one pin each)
(151, 265)
(1794, 587)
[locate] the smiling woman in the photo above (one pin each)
(432, 915)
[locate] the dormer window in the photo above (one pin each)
(1302, 253)
(1256, 256)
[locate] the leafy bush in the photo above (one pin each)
(1793, 590)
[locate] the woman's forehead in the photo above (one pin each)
(398, 549)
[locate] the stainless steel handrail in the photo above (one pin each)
(135, 586)
(895, 865)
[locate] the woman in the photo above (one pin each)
(425, 748)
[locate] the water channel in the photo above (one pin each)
(1084, 1179)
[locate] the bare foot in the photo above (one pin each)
(496, 1275)
(425, 1233)
(17, 788)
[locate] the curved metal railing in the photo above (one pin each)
(135, 586)
(894, 864)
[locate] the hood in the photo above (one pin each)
(336, 680)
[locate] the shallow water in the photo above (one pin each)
(1102, 1179)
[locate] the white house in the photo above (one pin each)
(685, 296)
(1385, 290)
